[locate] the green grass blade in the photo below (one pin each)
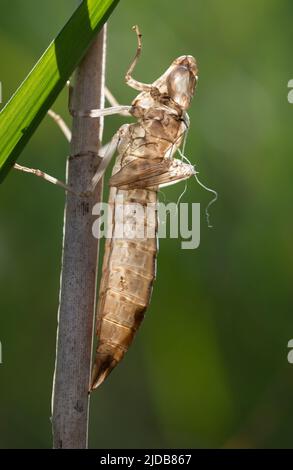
(27, 107)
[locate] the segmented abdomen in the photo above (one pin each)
(129, 263)
(128, 273)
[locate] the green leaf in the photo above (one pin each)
(27, 107)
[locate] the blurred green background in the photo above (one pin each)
(209, 366)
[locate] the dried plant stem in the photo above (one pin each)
(70, 399)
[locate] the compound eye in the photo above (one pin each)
(180, 85)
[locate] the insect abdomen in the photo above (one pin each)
(128, 275)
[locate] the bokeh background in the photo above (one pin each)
(209, 366)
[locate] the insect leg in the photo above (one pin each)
(67, 133)
(128, 78)
(116, 108)
(107, 153)
(124, 110)
(43, 175)
(113, 102)
(111, 98)
(60, 123)
(58, 119)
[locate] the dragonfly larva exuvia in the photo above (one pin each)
(145, 162)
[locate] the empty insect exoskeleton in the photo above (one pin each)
(145, 162)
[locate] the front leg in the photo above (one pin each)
(128, 78)
(43, 175)
(116, 108)
(107, 153)
(94, 113)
